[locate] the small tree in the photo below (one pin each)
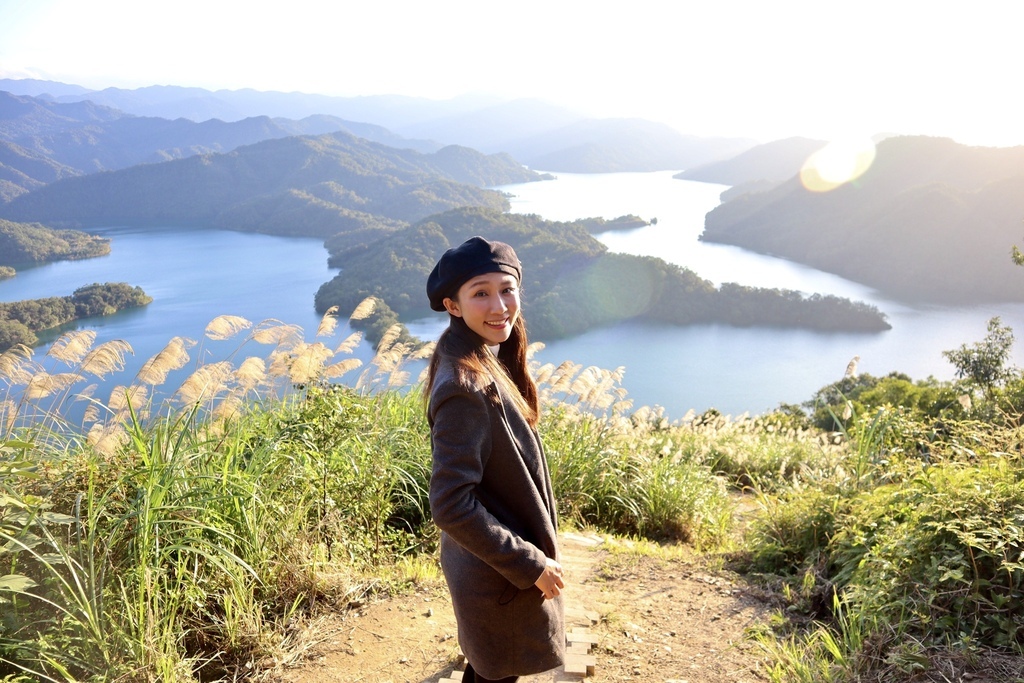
(984, 363)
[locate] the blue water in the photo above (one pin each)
(193, 276)
(196, 275)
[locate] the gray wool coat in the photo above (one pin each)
(490, 494)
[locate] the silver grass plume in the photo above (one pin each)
(365, 309)
(328, 323)
(350, 342)
(205, 383)
(16, 365)
(226, 326)
(71, 347)
(107, 358)
(171, 357)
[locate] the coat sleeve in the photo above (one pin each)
(461, 441)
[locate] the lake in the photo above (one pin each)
(195, 275)
(732, 369)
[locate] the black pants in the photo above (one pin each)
(471, 676)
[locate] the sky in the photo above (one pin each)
(747, 68)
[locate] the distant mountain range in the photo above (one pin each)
(309, 185)
(773, 162)
(538, 134)
(930, 221)
(42, 141)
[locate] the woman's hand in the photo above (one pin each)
(550, 582)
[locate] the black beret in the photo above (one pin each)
(473, 257)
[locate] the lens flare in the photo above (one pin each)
(837, 163)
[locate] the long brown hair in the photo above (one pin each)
(477, 367)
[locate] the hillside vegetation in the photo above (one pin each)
(281, 182)
(930, 221)
(42, 141)
(29, 243)
(195, 539)
(20, 320)
(571, 283)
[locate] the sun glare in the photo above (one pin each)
(837, 163)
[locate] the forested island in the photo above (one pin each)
(627, 222)
(20, 320)
(571, 283)
(32, 243)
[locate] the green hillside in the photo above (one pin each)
(22, 243)
(20, 320)
(241, 189)
(571, 283)
(930, 221)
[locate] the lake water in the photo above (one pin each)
(732, 369)
(196, 275)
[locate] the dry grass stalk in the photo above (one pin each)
(251, 373)
(561, 379)
(107, 439)
(277, 333)
(16, 365)
(171, 357)
(229, 408)
(308, 362)
(205, 383)
(122, 398)
(8, 414)
(226, 326)
(423, 352)
(365, 309)
(71, 347)
(533, 349)
(328, 323)
(350, 343)
(107, 358)
(91, 414)
(341, 367)
(44, 384)
(543, 373)
(398, 378)
(391, 335)
(584, 382)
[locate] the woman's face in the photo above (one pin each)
(489, 304)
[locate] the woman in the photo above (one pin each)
(490, 489)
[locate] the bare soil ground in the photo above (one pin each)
(667, 620)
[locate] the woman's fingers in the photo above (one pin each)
(550, 582)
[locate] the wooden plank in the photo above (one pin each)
(578, 636)
(580, 664)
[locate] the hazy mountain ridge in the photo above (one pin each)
(931, 221)
(84, 138)
(613, 145)
(775, 162)
(373, 178)
(536, 133)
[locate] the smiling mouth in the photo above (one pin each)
(497, 323)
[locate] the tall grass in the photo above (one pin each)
(906, 539)
(181, 540)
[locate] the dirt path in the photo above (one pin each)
(671, 621)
